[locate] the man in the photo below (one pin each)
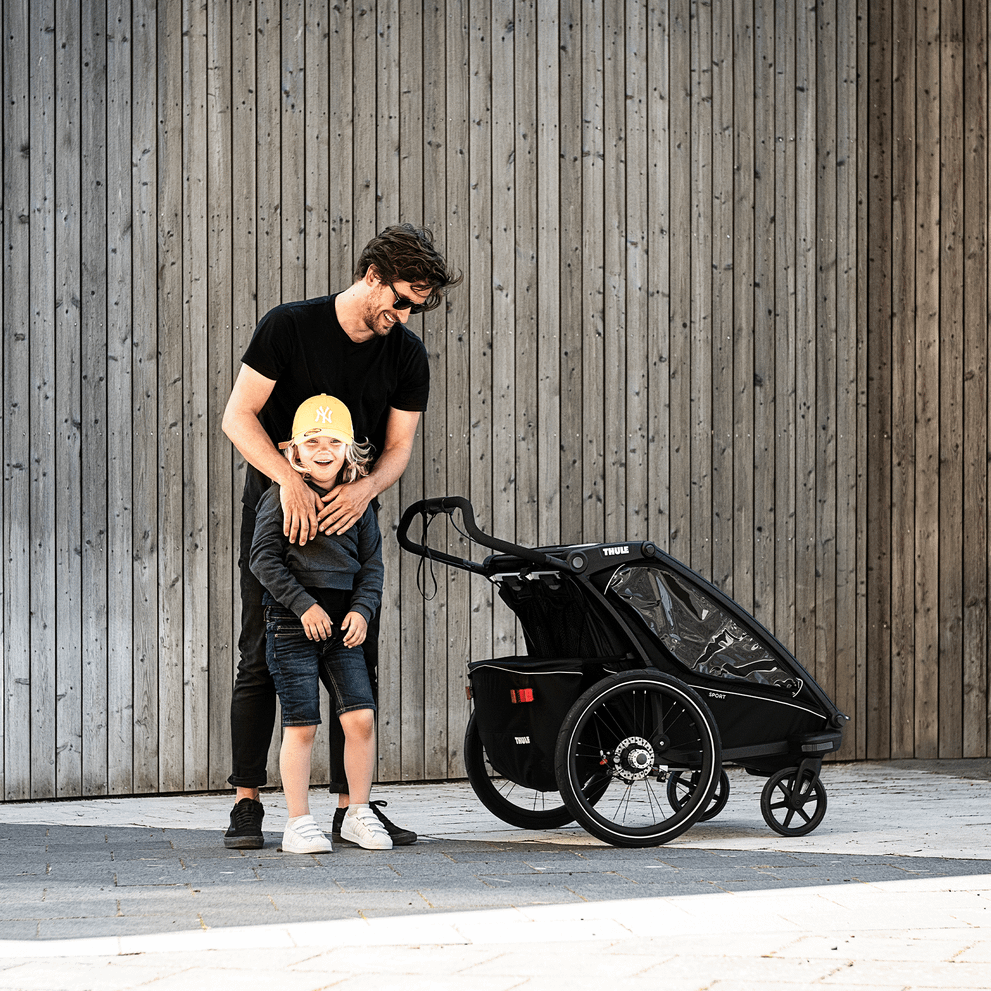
(353, 345)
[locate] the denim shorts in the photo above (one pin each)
(295, 663)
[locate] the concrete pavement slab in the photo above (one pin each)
(893, 888)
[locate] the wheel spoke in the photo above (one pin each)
(639, 724)
(514, 803)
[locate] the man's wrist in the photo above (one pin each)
(370, 485)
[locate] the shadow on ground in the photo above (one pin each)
(87, 881)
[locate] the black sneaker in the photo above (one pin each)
(400, 836)
(245, 832)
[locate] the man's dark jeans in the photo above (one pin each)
(253, 697)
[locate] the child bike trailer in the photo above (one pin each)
(640, 681)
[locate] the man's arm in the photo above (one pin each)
(241, 424)
(347, 503)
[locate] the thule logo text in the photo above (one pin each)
(615, 551)
(522, 739)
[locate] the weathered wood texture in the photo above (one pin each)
(726, 288)
(927, 399)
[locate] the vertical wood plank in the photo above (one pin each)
(681, 250)
(765, 279)
(224, 519)
(340, 65)
(848, 321)
(503, 342)
(569, 294)
(16, 409)
(3, 528)
(785, 324)
(170, 412)
(743, 320)
(437, 441)
(825, 370)
(195, 408)
(614, 239)
(461, 587)
(93, 189)
(529, 449)
(68, 462)
(858, 732)
(144, 391)
(700, 324)
(316, 64)
(659, 320)
(593, 451)
(730, 135)
(479, 287)
(363, 178)
(903, 401)
(927, 360)
(120, 350)
(41, 333)
(268, 153)
(806, 310)
(635, 305)
(292, 90)
(878, 722)
(951, 333)
(546, 431)
(974, 529)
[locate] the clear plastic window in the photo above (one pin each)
(700, 634)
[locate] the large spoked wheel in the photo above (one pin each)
(681, 784)
(511, 802)
(617, 746)
(791, 803)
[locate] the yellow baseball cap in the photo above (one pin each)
(321, 414)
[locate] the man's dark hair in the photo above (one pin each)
(404, 253)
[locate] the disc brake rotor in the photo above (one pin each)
(633, 759)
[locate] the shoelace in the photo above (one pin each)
(376, 807)
(244, 815)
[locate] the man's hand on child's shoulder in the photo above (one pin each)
(354, 629)
(344, 505)
(316, 623)
(299, 511)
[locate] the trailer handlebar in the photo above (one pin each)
(448, 505)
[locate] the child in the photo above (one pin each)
(319, 599)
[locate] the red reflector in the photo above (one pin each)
(521, 695)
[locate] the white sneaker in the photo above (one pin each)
(303, 835)
(362, 826)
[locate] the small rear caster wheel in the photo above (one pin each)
(682, 784)
(793, 803)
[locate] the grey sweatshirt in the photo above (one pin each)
(351, 560)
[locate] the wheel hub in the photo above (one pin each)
(633, 759)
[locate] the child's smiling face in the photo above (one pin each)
(323, 458)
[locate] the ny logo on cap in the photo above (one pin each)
(323, 414)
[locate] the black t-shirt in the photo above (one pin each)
(303, 347)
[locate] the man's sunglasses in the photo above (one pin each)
(402, 303)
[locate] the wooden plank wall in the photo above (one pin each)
(726, 289)
(927, 356)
